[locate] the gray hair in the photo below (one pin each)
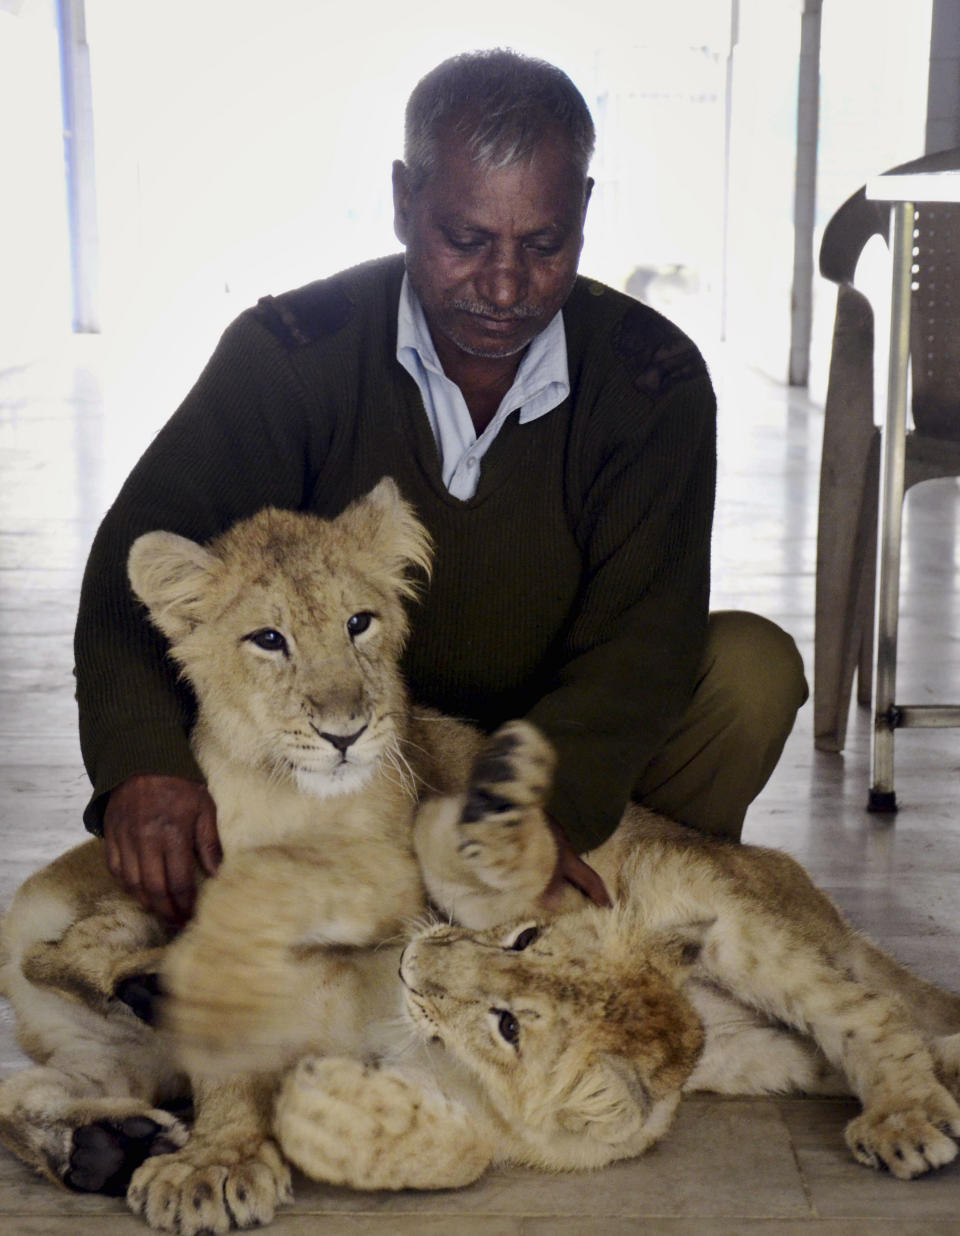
(501, 104)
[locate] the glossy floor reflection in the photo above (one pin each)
(68, 433)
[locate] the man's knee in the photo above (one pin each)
(754, 669)
(750, 686)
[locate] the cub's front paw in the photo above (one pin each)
(345, 1122)
(143, 995)
(909, 1139)
(511, 774)
(211, 1188)
(504, 837)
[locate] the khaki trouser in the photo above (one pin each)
(750, 686)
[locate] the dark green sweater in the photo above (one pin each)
(571, 589)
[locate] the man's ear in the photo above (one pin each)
(587, 192)
(401, 201)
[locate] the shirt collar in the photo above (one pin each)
(543, 370)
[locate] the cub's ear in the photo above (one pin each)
(171, 574)
(609, 1104)
(388, 527)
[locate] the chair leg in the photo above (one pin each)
(846, 541)
(867, 600)
(846, 531)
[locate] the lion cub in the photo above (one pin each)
(566, 1040)
(289, 629)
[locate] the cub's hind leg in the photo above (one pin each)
(85, 1120)
(88, 1116)
(910, 1122)
(934, 1010)
(487, 855)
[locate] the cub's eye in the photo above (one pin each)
(358, 623)
(508, 1026)
(268, 639)
(525, 939)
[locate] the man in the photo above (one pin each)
(556, 437)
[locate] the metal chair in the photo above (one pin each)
(850, 463)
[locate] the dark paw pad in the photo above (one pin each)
(482, 803)
(105, 1154)
(143, 994)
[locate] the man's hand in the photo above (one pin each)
(571, 869)
(156, 829)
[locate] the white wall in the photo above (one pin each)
(874, 65)
(34, 255)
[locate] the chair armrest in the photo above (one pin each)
(848, 231)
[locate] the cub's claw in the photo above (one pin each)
(908, 1142)
(211, 1189)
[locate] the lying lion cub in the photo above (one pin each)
(567, 1048)
(565, 1042)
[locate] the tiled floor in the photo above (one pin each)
(728, 1167)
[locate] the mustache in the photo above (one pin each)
(478, 309)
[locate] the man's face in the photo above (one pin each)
(492, 255)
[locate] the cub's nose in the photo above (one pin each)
(342, 741)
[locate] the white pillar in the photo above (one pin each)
(78, 156)
(805, 192)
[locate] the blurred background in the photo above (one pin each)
(224, 149)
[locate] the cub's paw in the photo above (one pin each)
(143, 995)
(504, 834)
(345, 1122)
(511, 774)
(333, 1113)
(211, 1188)
(104, 1154)
(907, 1140)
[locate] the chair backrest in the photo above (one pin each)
(935, 303)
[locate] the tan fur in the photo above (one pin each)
(607, 1005)
(720, 967)
(305, 739)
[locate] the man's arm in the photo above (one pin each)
(626, 668)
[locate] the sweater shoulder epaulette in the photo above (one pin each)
(657, 354)
(307, 314)
(324, 308)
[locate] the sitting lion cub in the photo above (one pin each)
(289, 628)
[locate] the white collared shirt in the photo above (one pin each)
(542, 382)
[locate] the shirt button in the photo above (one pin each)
(471, 461)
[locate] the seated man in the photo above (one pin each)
(555, 436)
